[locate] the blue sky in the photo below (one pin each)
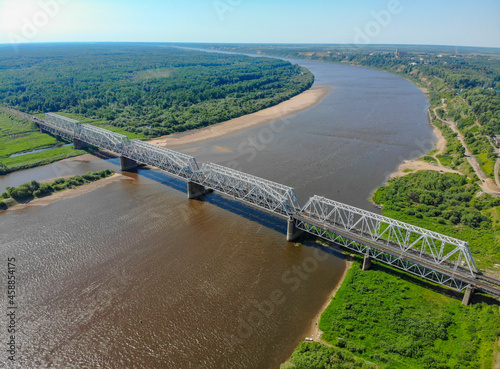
(433, 22)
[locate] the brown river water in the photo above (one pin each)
(134, 275)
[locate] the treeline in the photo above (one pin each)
(155, 90)
(447, 198)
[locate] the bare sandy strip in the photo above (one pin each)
(303, 101)
(66, 194)
(416, 165)
(314, 331)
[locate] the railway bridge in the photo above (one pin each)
(435, 257)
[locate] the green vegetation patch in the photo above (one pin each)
(19, 135)
(314, 355)
(34, 189)
(446, 203)
(385, 317)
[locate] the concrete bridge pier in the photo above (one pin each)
(127, 164)
(292, 232)
(79, 145)
(469, 292)
(195, 190)
(367, 263)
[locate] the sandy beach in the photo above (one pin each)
(314, 332)
(412, 166)
(67, 194)
(296, 104)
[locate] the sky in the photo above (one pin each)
(423, 22)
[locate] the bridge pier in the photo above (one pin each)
(469, 292)
(367, 263)
(292, 232)
(127, 164)
(195, 190)
(79, 145)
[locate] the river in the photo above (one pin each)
(133, 275)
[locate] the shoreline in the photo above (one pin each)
(296, 104)
(314, 331)
(69, 193)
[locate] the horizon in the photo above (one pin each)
(374, 46)
(277, 22)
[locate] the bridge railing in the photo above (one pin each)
(103, 138)
(403, 238)
(254, 190)
(173, 162)
(64, 123)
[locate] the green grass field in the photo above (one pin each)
(18, 135)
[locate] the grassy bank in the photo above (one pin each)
(31, 190)
(395, 320)
(18, 136)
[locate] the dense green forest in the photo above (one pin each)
(149, 89)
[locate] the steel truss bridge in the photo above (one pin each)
(438, 258)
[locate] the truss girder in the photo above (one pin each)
(401, 237)
(63, 123)
(254, 190)
(449, 279)
(176, 163)
(103, 138)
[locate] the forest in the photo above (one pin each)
(151, 90)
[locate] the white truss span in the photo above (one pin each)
(103, 138)
(176, 163)
(67, 124)
(254, 190)
(391, 235)
(60, 126)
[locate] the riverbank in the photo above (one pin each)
(69, 193)
(296, 104)
(314, 332)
